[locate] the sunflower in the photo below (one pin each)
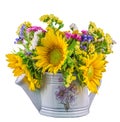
(15, 62)
(92, 72)
(52, 53)
(32, 82)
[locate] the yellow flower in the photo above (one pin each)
(92, 27)
(32, 82)
(79, 51)
(91, 48)
(70, 76)
(92, 72)
(50, 18)
(109, 50)
(15, 62)
(69, 79)
(92, 24)
(108, 39)
(100, 31)
(52, 53)
(44, 17)
(59, 21)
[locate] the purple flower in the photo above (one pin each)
(18, 40)
(21, 35)
(83, 47)
(28, 53)
(61, 94)
(71, 98)
(90, 38)
(35, 28)
(86, 37)
(66, 95)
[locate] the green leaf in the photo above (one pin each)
(64, 67)
(61, 26)
(72, 45)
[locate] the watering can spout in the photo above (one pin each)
(34, 96)
(92, 95)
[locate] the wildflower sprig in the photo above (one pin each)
(52, 21)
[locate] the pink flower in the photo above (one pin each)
(84, 31)
(76, 36)
(73, 36)
(35, 28)
(68, 35)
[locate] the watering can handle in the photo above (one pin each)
(34, 96)
(92, 96)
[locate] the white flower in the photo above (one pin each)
(35, 39)
(101, 39)
(73, 27)
(24, 42)
(114, 42)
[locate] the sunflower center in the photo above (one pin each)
(55, 56)
(90, 72)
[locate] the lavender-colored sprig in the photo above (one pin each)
(18, 40)
(21, 35)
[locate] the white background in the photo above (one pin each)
(14, 104)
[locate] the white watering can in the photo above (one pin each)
(45, 99)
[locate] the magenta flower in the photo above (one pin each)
(76, 36)
(84, 32)
(35, 28)
(73, 36)
(68, 35)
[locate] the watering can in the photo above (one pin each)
(48, 104)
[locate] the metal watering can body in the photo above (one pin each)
(50, 102)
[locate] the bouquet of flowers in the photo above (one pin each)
(76, 54)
